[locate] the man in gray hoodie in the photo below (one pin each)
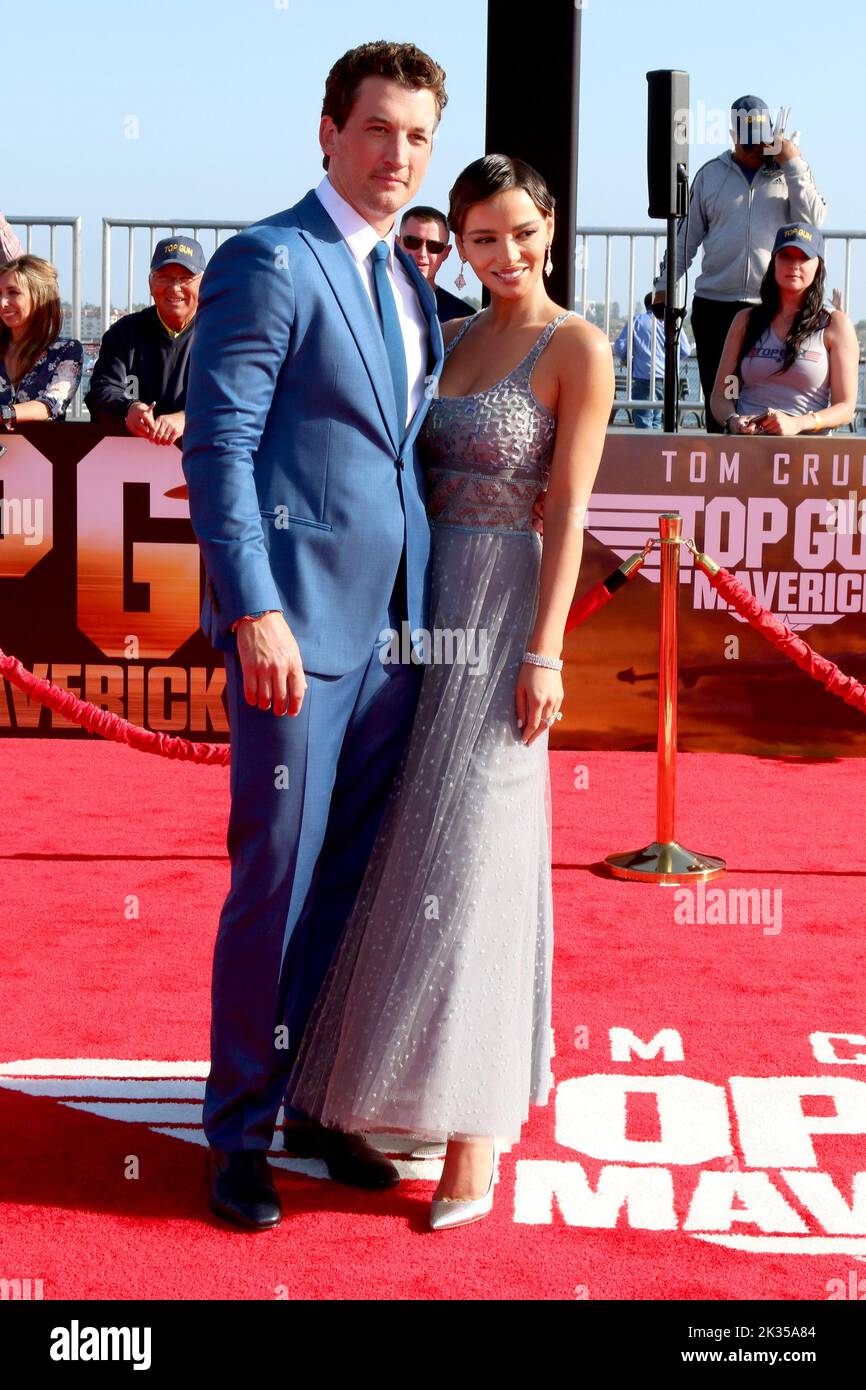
(738, 202)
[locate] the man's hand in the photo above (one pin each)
(271, 663)
(168, 428)
(140, 421)
(538, 514)
(787, 150)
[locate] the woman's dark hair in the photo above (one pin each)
(399, 62)
(807, 321)
(492, 174)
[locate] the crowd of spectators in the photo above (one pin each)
(138, 384)
(773, 357)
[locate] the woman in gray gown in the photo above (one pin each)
(434, 1017)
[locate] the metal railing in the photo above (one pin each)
(154, 229)
(640, 243)
(52, 223)
(595, 252)
(164, 228)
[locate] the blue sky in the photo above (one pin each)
(223, 98)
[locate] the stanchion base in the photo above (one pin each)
(665, 863)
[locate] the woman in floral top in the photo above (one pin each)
(39, 371)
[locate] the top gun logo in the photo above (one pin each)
(638, 1141)
(821, 519)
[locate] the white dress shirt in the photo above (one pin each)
(360, 238)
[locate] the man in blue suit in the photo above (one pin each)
(317, 350)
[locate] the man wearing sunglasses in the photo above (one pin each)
(424, 237)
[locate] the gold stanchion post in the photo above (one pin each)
(666, 861)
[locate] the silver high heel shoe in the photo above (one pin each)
(458, 1211)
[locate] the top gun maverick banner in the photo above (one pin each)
(101, 583)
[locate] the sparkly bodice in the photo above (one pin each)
(487, 456)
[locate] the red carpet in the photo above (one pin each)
(687, 1175)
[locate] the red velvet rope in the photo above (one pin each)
(600, 593)
(594, 598)
(787, 642)
(106, 724)
(111, 726)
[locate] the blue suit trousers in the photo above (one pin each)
(307, 797)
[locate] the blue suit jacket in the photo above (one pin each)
(303, 487)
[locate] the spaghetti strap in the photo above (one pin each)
(525, 365)
(459, 334)
(544, 338)
(523, 371)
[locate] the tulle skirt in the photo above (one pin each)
(434, 1016)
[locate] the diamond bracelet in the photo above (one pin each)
(535, 660)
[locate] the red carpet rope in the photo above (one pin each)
(827, 673)
(602, 592)
(107, 725)
(111, 726)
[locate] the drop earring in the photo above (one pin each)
(460, 280)
(548, 264)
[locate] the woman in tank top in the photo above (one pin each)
(789, 364)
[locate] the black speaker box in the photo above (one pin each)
(667, 143)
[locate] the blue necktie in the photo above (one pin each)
(394, 345)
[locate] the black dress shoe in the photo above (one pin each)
(242, 1189)
(348, 1157)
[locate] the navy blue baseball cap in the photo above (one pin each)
(174, 250)
(809, 239)
(750, 117)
